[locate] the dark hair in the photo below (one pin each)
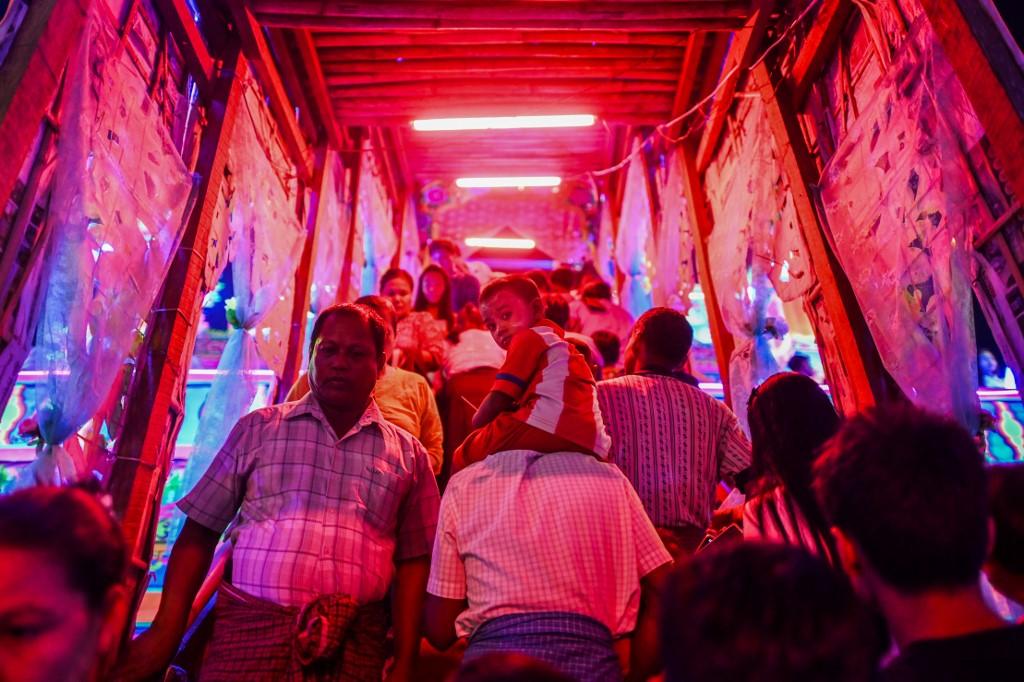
(753, 611)
(564, 278)
(556, 309)
(444, 307)
(798, 360)
(377, 326)
(521, 286)
(508, 667)
(395, 273)
(446, 245)
(381, 306)
(600, 290)
(74, 529)
(790, 419)
(666, 335)
(609, 344)
(909, 488)
(540, 278)
(1006, 492)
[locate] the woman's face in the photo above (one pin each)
(433, 287)
(47, 630)
(399, 292)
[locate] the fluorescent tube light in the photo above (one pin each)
(511, 181)
(500, 243)
(505, 122)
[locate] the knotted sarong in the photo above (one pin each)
(573, 644)
(330, 638)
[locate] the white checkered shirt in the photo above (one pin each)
(674, 442)
(317, 514)
(522, 532)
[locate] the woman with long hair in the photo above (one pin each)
(420, 336)
(434, 295)
(790, 419)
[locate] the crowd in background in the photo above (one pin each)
(634, 529)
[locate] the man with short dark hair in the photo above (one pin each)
(756, 611)
(906, 494)
(466, 278)
(673, 441)
(330, 509)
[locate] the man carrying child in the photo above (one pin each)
(544, 397)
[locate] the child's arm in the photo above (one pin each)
(494, 404)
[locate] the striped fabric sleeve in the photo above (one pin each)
(524, 356)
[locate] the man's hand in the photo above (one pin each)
(147, 656)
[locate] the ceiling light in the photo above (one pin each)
(512, 181)
(505, 122)
(500, 243)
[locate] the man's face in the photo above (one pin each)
(399, 292)
(506, 314)
(345, 363)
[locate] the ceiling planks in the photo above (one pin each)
(383, 64)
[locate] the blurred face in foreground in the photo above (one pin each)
(48, 629)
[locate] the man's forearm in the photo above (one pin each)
(410, 590)
(187, 568)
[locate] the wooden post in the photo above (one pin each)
(856, 354)
(401, 206)
(30, 77)
(700, 216)
(153, 406)
(990, 75)
(304, 278)
(346, 268)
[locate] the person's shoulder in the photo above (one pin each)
(406, 377)
(993, 655)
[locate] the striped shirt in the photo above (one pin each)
(553, 386)
(315, 514)
(524, 532)
(674, 443)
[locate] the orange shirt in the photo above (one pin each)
(553, 386)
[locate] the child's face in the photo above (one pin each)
(507, 314)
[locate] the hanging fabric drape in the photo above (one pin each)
(331, 237)
(604, 253)
(674, 265)
(266, 242)
(756, 249)
(409, 259)
(901, 204)
(374, 215)
(633, 243)
(120, 200)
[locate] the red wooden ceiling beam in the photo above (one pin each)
(446, 37)
(818, 46)
(687, 85)
(625, 67)
(177, 18)
(742, 52)
(455, 88)
(657, 16)
(258, 53)
(317, 86)
(481, 53)
(294, 81)
(345, 80)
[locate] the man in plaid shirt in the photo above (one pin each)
(327, 506)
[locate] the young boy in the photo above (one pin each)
(544, 397)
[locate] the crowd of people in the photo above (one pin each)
(602, 517)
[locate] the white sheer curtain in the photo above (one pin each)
(901, 204)
(120, 200)
(674, 265)
(634, 241)
(266, 242)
